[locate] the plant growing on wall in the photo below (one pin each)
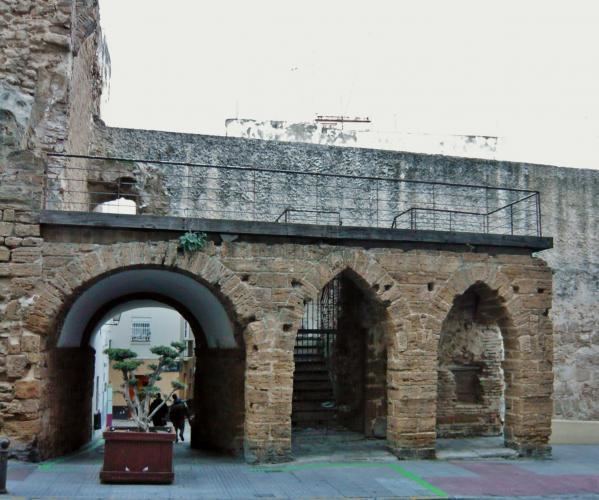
(192, 242)
(138, 398)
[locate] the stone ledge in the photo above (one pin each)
(301, 231)
(413, 453)
(574, 431)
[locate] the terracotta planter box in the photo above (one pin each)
(138, 457)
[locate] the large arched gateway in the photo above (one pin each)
(219, 373)
(78, 311)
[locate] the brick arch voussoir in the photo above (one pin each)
(91, 266)
(371, 275)
(461, 280)
(47, 304)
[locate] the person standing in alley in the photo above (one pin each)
(178, 412)
(161, 414)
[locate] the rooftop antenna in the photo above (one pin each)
(342, 119)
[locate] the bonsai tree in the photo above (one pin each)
(126, 361)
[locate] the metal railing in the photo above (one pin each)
(193, 190)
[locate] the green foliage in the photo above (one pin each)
(128, 365)
(178, 385)
(117, 354)
(138, 399)
(179, 346)
(164, 351)
(150, 390)
(192, 242)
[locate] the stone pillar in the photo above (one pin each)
(67, 401)
(529, 405)
(268, 391)
(412, 400)
(411, 386)
(218, 401)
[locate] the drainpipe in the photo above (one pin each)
(3, 464)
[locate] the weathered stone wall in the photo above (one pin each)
(49, 81)
(569, 206)
(265, 285)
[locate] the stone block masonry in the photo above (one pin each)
(49, 91)
(264, 285)
(568, 202)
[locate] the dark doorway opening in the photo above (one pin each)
(340, 355)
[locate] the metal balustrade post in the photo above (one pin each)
(434, 213)
(538, 203)
(254, 193)
(512, 219)
(4, 444)
(377, 203)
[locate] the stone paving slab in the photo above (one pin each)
(573, 473)
(440, 468)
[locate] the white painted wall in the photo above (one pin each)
(361, 135)
(166, 326)
(101, 400)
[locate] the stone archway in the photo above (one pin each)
(526, 332)
(376, 285)
(59, 295)
(471, 382)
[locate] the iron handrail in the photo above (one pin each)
(370, 201)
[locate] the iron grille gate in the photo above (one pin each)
(318, 330)
(314, 384)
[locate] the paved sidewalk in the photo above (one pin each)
(572, 473)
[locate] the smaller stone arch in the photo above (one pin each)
(470, 357)
(489, 275)
(525, 343)
(366, 272)
(385, 308)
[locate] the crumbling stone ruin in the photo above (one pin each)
(446, 335)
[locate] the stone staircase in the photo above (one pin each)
(312, 388)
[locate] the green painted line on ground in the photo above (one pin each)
(88, 447)
(417, 479)
(323, 465)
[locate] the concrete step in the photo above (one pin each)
(311, 406)
(312, 395)
(313, 417)
(307, 357)
(476, 454)
(473, 448)
(312, 385)
(310, 366)
(311, 376)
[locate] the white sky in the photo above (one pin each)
(525, 70)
